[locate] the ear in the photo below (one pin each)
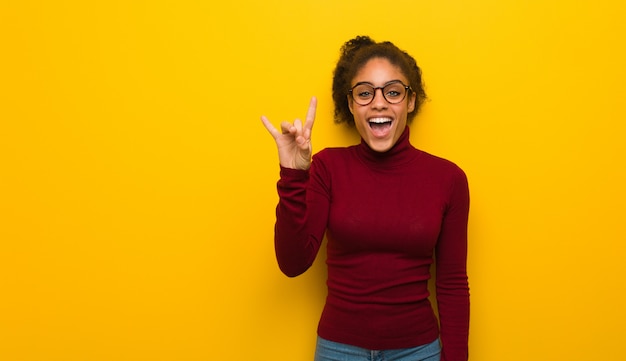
(411, 104)
(350, 104)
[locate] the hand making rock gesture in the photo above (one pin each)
(294, 140)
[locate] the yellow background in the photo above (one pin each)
(137, 184)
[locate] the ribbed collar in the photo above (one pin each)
(401, 153)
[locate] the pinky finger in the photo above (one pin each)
(270, 128)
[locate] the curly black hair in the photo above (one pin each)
(355, 53)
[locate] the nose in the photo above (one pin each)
(379, 102)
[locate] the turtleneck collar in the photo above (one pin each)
(401, 153)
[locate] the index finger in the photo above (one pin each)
(310, 115)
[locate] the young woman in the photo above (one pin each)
(388, 211)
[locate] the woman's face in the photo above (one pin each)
(380, 123)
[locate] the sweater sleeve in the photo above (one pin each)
(301, 217)
(451, 278)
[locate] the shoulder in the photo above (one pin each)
(451, 180)
(443, 167)
(441, 163)
(332, 161)
(333, 154)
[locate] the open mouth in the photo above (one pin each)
(380, 126)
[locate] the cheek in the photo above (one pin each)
(360, 126)
(357, 115)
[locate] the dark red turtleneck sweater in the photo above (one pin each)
(386, 216)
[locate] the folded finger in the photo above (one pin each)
(287, 128)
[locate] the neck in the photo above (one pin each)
(400, 153)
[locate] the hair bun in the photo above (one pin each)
(352, 46)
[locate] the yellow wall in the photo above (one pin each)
(137, 184)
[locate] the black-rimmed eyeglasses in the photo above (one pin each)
(394, 92)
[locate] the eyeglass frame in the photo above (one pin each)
(382, 90)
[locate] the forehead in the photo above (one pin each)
(378, 71)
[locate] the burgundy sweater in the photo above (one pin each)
(386, 216)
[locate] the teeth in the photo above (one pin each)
(380, 120)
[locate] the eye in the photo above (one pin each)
(394, 91)
(363, 92)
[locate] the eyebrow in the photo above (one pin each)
(372, 84)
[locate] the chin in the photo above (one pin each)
(380, 145)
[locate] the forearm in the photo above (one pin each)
(454, 314)
(296, 240)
